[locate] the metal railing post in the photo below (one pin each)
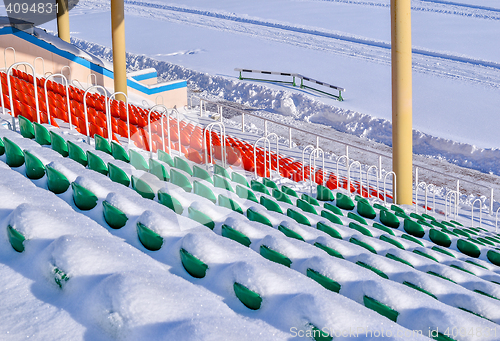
(149, 128)
(67, 97)
(9, 85)
(472, 212)
(85, 107)
(112, 96)
(394, 183)
(265, 139)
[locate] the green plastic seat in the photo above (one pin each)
(325, 281)
(59, 144)
(466, 247)
(333, 208)
(16, 239)
(423, 254)
(372, 268)
(494, 257)
(193, 265)
(356, 217)
(476, 264)
(102, 144)
(328, 230)
(179, 179)
(363, 230)
(416, 287)
(344, 202)
(238, 178)
(148, 238)
(34, 167)
(137, 160)
(201, 173)
(26, 127)
(412, 239)
(255, 216)
(269, 183)
(309, 200)
(290, 233)
(416, 216)
(439, 238)
(84, 199)
(379, 207)
(366, 210)
(396, 208)
(486, 294)
(383, 228)
(42, 135)
(96, 164)
(360, 198)
(116, 174)
(298, 217)
(229, 232)
(77, 154)
(219, 170)
(456, 223)
(486, 241)
(114, 217)
(413, 228)
(280, 196)
(398, 259)
(425, 215)
(119, 153)
(362, 244)
(445, 252)
(402, 215)
(324, 193)
(462, 269)
(258, 187)
(203, 191)
(14, 154)
(274, 256)
(201, 217)
(435, 223)
(249, 298)
(142, 187)
(60, 277)
(245, 193)
(423, 222)
(56, 181)
(270, 204)
(331, 217)
(389, 219)
(440, 276)
(221, 182)
(444, 222)
(289, 191)
(165, 157)
(166, 199)
(329, 250)
(182, 165)
(392, 241)
(158, 169)
(229, 203)
(2, 147)
(306, 207)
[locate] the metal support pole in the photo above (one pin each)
(346, 156)
(63, 20)
(402, 143)
(118, 37)
(416, 188)
(290, 137)
(491, 201)
(380, 166)
(265, 127)
(242, 122)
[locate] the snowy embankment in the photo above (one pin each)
(302, 108)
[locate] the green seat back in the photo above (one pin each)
(361, 229)
(290, 233)
(56, 181)
(325, 281)
(329, 250)
(201, 217)
(165, 157)
(142, 187)
(328, 230)
(309, 199)
(34, 167)
(439, 238)
(182, 165)
(344, 202)
(258, 217)
(289, 191)
(356, 217)
(229, 232)
(193, 265)
(221, 182)
(137, 160)
(179, 179)
(389, 219)
(331, 217)
(2, 147)
(42, 135)
(118, 175)
(392, 241)
(219, 170)
(274, 256)
(413, 228)
(280, 196)
(466, 247)
(168, 200)
(249, 298)
(102, 144)
(96, 164)
(380, 308)
(148, 238)
(114, 217)
(158, 169)
(59, 144)
(229, 203)
(269, 183)
(366, 210)
(324, 193)
(77, 154)
(119, 153)
(305, 206)
(201, 173)
(14, 154)
(298, 217)
(203, 191)
(258, 187)
(26, 127)
(270, 204)
(16, 239)
(84, 199)
(245, 193)
(383, 228)
(238, 178)
(333, 208)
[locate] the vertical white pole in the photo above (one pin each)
(457, 198)
(242, 122)
(491, 201)
(416, 189)
(346, 156)
(290, 137)
(265, 127)
(380, 166)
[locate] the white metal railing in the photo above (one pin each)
(5, 55)
(368, 181)
(434, 196)
(9, 84)
(85, 108)
(43, 65)
(480, 212)
(393, 183)
(208, 130)
(312, 174)
(67, 97)
(349, 177)
(450, 194)
(149, 128)
(66, 67)
(277, 152)
(496, 220)
(265, 139)
(112, 96)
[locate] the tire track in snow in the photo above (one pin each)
(425, 61)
